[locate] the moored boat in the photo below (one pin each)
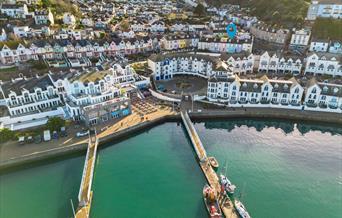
(228, 186)
(213, 162)
(240, 208)
(211, 203)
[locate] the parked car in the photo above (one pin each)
(82, 133)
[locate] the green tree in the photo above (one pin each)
(200, 10)
(124, 25)
(6, 135)
(55, 123)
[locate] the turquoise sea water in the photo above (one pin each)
(282, 169)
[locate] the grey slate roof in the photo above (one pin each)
(29, 84)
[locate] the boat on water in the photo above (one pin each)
(228, 186)
(213, 162)
(240, 208)
(211, 203)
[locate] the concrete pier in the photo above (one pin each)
(226, 205)
(85, 194)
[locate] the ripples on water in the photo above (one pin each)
(284, 169)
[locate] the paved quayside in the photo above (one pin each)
(227, 206)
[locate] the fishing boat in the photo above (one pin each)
(213, 162)
(228, 186)
(241, 209)
(211, 203)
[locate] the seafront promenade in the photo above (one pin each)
(12, 154)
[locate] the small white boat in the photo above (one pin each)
(241, 209)
(229, 187)
(211, 203)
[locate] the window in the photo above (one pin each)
(39, 95)
(297, 90)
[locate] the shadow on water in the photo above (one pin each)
(38, 163)
(285, 125)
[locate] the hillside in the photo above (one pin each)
(327, 29)
(287, 13)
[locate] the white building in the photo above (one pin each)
(335, 47)
(166, 66)
(21, 31)
(319, 45)
(3, 35)
(233, 90)
(157, 26)
(27, 96)
(43, 17)
(323, 64)
(325, 8)
(273, 63)
(69, 19)
(241, 65)
(300, 39)
(13, 10)
(323, 95)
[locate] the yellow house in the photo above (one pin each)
(182, 43)
(180, 16)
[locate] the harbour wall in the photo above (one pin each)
(80, 149)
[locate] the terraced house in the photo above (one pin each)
(233, 90)
(241, 64)
(177, 42)
(61, 49)
(323, 95)
(92, 97)
(329, 64)
(273, 63)
(269, 34)
(166, 66)
(225, 45)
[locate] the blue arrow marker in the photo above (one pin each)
(231, 30)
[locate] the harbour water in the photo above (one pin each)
(282, 169)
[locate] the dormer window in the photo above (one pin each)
(276, 86)
(27, 97)
(255, 86)
(244, 85)
(286, 86)
(266, 88)
(314, 90)
(335, 90)
(39, 95)
(325, 88)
